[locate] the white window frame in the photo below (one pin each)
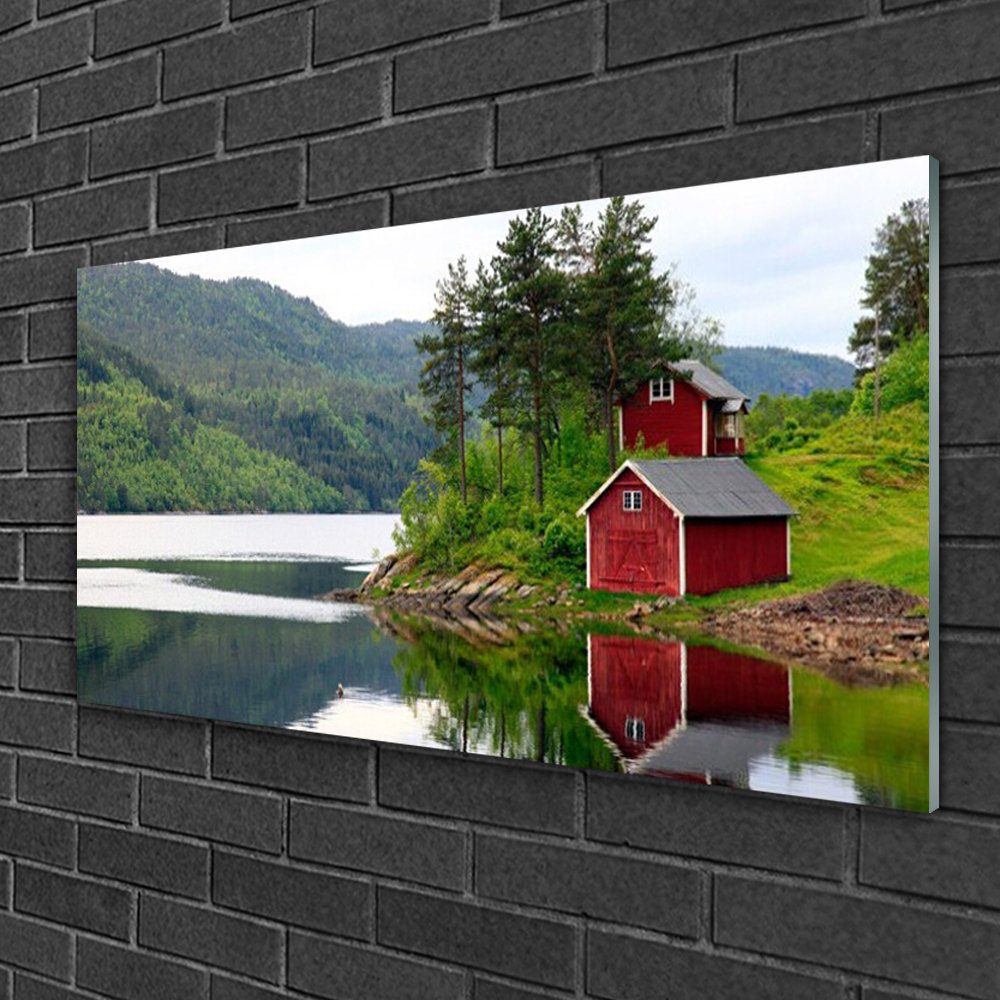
(635, 728)
(632, 501)
(665, 385)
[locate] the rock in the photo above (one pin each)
(378, 573)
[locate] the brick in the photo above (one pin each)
(255, 52)
(7, 761)
(50, 556)
(648, 29)
(26, 833)
(531, 948)
(40, 499)
(50, 613)
(31, 945)
(894, 940)
(125, 973)
(52, 334)
(208, 936)
(968, 305)
(263, 180)
(78, 902)
(17, 111)
(969, 675)
(29, 988)
(47, 7)
(882, 60)
(967, 492)
(78, 788)
(192, 239)
(398, 154)
(43, 166)
(367, 213)
(6, 880)
(98, 94)
(957, 131)
(14, 13)
(97, 211)
(233, 989)
(970, 223)
(808, 146)
(970, 578)
(646, 106)
(317, 104)
(964, 394)
(151, 861)
(527, 55)
(327, 968)
(513, 795)
(511, 8)
(33, 722)
(331, 903)
(167, 744)
(39, 278)
(44, 50)
(240, 818)
(245, 8)
(373, 842)
(294, 762)
(624, 968)
(37, 389)
(590, 884)
(155, 140)
(12, 338)
(14, 226)
(500, 192)
(135, 23)
(8, 662)
(10, 555)
(351, 27)
(798, 837)
(48, 666)
(933, 858)
(51, 443)
(965, 783)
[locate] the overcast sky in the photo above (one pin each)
(779, 260)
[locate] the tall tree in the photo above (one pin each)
(535, 292)
(490, 358)
(443, 378)
(619, 302)
(897, 281)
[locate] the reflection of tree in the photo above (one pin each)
(520, 700)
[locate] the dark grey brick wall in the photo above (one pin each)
(145, 856)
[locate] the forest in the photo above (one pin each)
(570, 316)
(234, 395)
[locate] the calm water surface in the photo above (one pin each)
(214, 616)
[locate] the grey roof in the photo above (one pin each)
(711, 383)
(711, 487)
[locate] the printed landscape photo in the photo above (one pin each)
(643, 484)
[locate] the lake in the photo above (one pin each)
(214, 616)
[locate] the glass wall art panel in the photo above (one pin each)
(644, 484)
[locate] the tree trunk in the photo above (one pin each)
(500, 452)
(461, 418)
(609, 395)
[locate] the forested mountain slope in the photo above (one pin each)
(777, 370)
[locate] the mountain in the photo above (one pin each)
(778, 370)
(190, 358)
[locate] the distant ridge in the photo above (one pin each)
(780, 370)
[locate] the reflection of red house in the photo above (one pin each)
(690, 712)
(686, 526)
(687, 407)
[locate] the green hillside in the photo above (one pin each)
(247, 359)
(778, 370)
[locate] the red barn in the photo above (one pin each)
(687, 407)
(686, 526)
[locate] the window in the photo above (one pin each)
(661, 390)
(632, 500)
(635, 729)
(729, 425)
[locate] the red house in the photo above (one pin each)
(686, 526)
(687, 407)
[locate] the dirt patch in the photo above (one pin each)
(857, 631)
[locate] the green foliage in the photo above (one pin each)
(780, 423)
(904, 378)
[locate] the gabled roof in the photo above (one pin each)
(712, 384)
(704, 487)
